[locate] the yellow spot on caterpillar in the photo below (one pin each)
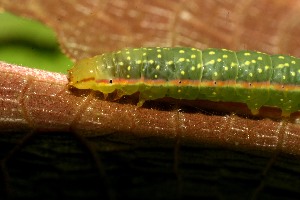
(127, 52)
(247, 62)
(211, 62)
(225, 56)
(198, 65)
(211, 53)
(225, 68)
(193, 56)
(181, 59)
(249, 97)
(182, 72)
(128, 76)
(155, 76)
(121, 63)
(259, 70)
(299, 71)
(188, 60)
(158, 50)
(128, 58)
(281, 57)
(233, 64)
(247, 54)
(214, 93)
(253, 61)
(250, 74)
(170, 62)
(91, 71)
(194, 49)
(219, 59)
(181, 51)
(128, 68)
(215, 73)
(151, 61)
(293, 73)
(293, 62)
(280, 66)
(286, 64)
(283, 77)
(119, 52)
(138, 61)
(259, 58)
(267, 67)
(159, 55)
(157, 67)
(179, 91)
(281, 99)
(144, 54)
(193, 68)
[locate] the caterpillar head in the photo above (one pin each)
(92, 73)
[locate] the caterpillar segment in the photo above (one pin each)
(251, 77)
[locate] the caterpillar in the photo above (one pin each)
(251, 77)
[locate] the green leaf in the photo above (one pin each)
(30, 43)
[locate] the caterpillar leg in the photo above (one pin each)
(119, 94)
(255, 111)
(254, 107)
(105, 95)
(141, 102)
(285, 113)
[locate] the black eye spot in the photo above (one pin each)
(179, 81)
(110, 81)
(215, 82)
(282, 86)
(250, 84)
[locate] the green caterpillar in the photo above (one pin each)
(249, 77)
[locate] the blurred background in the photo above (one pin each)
(30, 43)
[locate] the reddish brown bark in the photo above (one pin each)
(40, 100)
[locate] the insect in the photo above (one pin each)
(249, 77)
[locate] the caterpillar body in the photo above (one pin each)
(249, 77)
